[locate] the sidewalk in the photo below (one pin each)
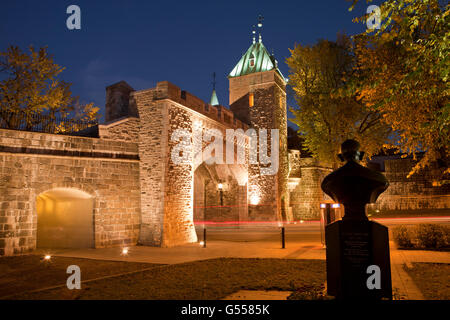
(402, 284)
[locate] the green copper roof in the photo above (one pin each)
(214, 101)
(256, 59)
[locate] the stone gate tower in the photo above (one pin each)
(258, 98)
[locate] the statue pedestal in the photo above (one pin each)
(351, 247)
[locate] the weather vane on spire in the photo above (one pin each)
(260, 24)
(214, 81)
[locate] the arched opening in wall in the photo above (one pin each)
(65, 219)
(220, 193)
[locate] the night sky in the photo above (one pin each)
(184, 42)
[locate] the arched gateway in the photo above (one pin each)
(65, 219)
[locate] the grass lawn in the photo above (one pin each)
(200, 280)
(28, 272)
(433, 279)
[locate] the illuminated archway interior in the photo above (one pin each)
(65, 219)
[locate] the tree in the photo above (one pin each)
(405, 68)
(30, 91)
(327, 115)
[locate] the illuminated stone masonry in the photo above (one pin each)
(33, 163)
(169, 190)
(123, 187)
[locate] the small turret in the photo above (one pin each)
(214, 100)
(118, 101)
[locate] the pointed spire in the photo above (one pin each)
(256, 58)
(214, 101)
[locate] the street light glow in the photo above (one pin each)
(254, 199)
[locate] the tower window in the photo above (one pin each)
(251, 99)
(251, 61)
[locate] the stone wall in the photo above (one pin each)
(167, 90)
(167, 200)
(118, 103)
(294, 164)
(306, 196)
(259, 99)
(152, 164)
(419, 192)
(32, 163)
(179, 184)
(125, 129)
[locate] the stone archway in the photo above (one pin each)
(220, 193)
(65, 219)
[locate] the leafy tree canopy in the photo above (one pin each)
(30, 87)
(327, 115)
(403, 73)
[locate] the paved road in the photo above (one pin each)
(307, 231)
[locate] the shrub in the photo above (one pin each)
(404, 236)
(433, 236)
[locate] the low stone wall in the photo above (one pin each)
(32, 163)
(419, 192)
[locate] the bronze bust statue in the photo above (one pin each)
(354, 185)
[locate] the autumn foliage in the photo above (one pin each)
(30, 91)
(395, 77)
(327, 113)
(404, 75)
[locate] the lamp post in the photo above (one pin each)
(220, 187)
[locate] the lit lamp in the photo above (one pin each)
(329, 213)
(254, 199)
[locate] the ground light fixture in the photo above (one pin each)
(124, 251)
(46, 258)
